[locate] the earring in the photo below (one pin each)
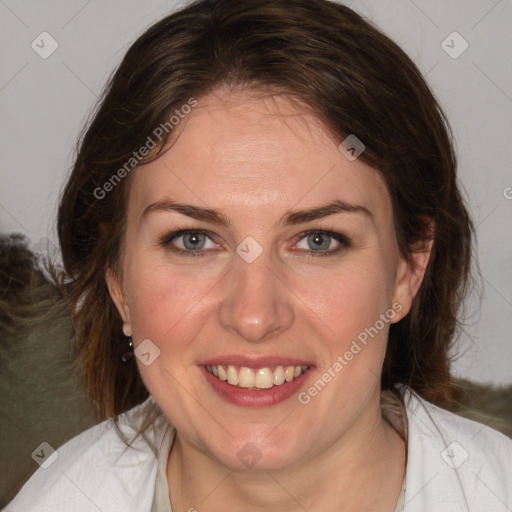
(128, 355)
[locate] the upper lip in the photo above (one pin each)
(255, 361)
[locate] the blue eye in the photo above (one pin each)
(320, 241)
(194, 240)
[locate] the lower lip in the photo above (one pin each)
(255, 397)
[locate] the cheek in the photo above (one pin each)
(167, 308)
(165, 304)
(349, 298)
(347, 305)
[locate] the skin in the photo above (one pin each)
(255, 159)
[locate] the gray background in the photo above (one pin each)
(44, 103)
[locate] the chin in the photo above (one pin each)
(255, 451)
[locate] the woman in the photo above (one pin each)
(265, 249)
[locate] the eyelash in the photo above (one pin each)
(165, 241)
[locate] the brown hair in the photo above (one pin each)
(355, 79)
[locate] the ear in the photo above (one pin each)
(411, 271)
(115, 288)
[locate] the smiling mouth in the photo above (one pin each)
(256, 378)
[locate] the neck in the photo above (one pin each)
(363, 470)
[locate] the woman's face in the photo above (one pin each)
(266, 288)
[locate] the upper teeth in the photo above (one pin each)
(261, 378)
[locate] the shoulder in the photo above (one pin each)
(454, 463)
(97, 470)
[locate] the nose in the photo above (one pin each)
(256, 304)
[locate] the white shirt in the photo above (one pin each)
(453, 465)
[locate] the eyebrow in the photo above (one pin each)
(289, 219)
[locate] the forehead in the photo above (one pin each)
(243, 151)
